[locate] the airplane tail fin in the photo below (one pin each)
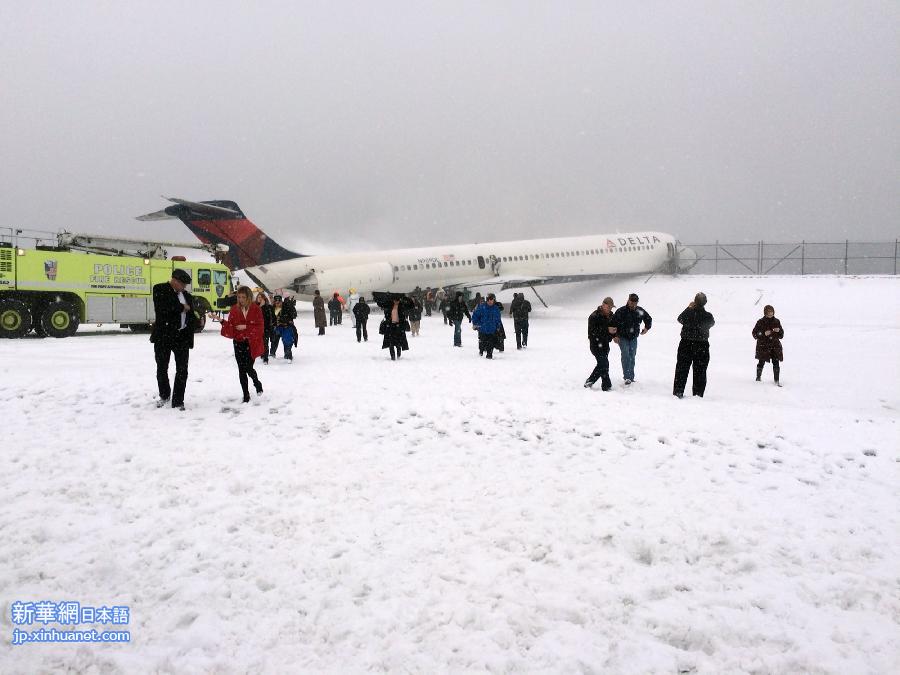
(223, 222)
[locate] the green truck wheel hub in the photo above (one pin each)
(11, 320)
(60, 320)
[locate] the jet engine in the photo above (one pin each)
(365, 278)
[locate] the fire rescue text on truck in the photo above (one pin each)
(51, 289)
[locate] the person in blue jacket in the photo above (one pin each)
(486, 320)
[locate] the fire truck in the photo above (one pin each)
(66, 279)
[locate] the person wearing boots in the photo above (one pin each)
(486, 319)
(601, 329)
(319, 312)
(396, 323)
(693, 350)
(245, 326)
(361, 316)
(768, 333)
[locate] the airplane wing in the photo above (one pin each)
(507, 280)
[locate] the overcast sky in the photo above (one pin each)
(379, 124)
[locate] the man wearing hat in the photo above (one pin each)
(173, 334)
(601, 329)
(628, 323)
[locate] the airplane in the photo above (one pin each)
(509, 264)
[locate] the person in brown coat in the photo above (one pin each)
(768, 333)
(319, 313)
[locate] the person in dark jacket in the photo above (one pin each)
(334, 310)
(319, 312)
(285, 327)
(396, 322)
(173, 335)
(693, 350)
(519, 309)
(768, 333)
(486, 319)
(415, 316)
(601, 329)
(269, 335)
(628, 326)
(361, 314)
(456, 310)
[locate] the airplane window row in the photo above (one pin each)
(532, 256)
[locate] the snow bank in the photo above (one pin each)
(448, 513)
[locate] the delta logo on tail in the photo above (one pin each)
(223, 222)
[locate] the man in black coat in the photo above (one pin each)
(601, 329)
(628, 324)
(693, 350)
(361, 313)
(456, 310)
(173, 334)
(519, 309)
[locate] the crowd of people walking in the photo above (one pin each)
(257, 327)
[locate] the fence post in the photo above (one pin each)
(802, 256)
(846, 254)
(896, 241)
(717, 259)
(759, 254)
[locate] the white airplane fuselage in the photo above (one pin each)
(523, 262)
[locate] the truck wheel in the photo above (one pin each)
(60, 319)
(15, 318)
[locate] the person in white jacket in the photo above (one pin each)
(353, 298)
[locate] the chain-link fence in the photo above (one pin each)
(805, 257)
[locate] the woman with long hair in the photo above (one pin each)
(268, 323)
(245, 326)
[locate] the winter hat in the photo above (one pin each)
(608, 301)
(182, 276)
(633, 297)
(700, 299)
(277, 298)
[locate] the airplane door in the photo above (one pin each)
(671, 248)
(481, 262)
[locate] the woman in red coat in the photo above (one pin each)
(768, 333)
(245, 326)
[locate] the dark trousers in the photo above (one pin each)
(601, 370)
(395, 351)
(245, 366)
(266, 340)
(691, 354)
(361, 330)
(162, 351)
(332, 318)
(487, 342)
(274, 339)
(521, 326)
(776, 368)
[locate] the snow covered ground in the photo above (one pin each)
(446, 513)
